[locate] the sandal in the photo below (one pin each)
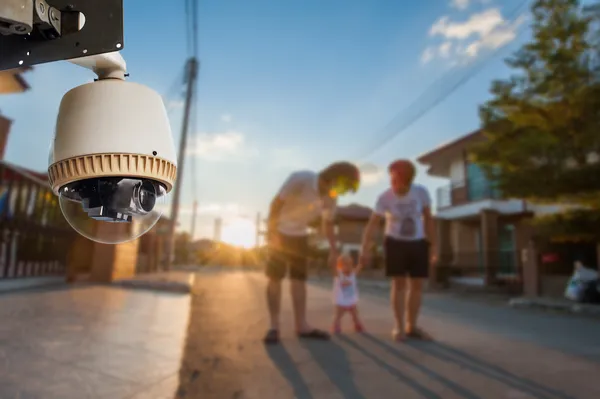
(314, 334)
(272, 337)
(417, 333)
(398, 335)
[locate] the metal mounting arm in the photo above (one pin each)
(38, 31)
(106, 66)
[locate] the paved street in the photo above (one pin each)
(102, 342)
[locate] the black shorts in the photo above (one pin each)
(292, 255)
(406, 258)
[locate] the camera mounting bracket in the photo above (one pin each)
(105, 66)
(39, 31)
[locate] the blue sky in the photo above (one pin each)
(288, 85)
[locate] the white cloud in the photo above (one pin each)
(288, 158)
(227, 146)
(444, 49)
(428, 55)
(460, 4)
(464, 4)
(371, 174)
(481, 31)
(174, 104)
(218, 208)
(215, 208)
(226, 118)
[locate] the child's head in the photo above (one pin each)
(345, 263)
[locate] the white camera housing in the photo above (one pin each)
(111, 133)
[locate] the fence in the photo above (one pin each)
(34, 236)
(502, 268)
(466, 191)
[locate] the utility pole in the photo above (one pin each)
(217, 231)
(191, 75)
(193, 227)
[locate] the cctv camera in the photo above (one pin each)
(112, 162)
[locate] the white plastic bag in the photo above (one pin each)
(577, 282)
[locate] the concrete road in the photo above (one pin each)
(102, 342)
(481, 351)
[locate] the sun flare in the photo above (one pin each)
(240, 232)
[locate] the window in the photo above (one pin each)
(479, 186)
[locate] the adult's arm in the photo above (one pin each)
(278, 202)
(429, 223)
(372, 226)
(274, 213)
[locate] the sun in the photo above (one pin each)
(239, 232)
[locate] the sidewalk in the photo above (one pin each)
(172, 281)
(545, 304)
(556, 304)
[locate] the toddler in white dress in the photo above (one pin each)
(345, 293)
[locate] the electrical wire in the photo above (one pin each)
(408, 117)
(195, 28)
(192, 157)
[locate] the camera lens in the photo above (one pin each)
(145, 196)
(112, 209)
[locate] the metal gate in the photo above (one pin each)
(35, 238)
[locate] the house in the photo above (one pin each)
(350, 222)
(11, 81)
(483, 236)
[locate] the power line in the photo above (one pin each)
(404, 119)
(191, 27)
(193, 170)
(188, 25)
(195, 28)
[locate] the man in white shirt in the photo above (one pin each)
(303, 198)
(409, 236)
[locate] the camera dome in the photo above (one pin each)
(112, 210)
(112, 161)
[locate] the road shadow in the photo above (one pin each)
(287, 367)
(456, 388)
(54, 287)
(334, 362)
(419, 388)
(478, 366)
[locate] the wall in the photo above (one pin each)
(4, 130)
(457, 171)
(465, 246)
(110, 262)
(351, 231)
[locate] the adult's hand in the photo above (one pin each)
(333, 256)
(273, 240)
(364, 258)
(433, 258)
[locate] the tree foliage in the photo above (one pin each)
(542, 124)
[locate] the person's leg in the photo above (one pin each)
(274, 301)
(397, 298)
(276, 270)
(358, 326)
(337, 319)
(395, 265)
(418, 273)
(298, 290)
(413, 303)
(298, 276)
(298, 247)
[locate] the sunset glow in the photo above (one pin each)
(240, 232)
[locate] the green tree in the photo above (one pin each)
(543, 122)
(182, 248)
